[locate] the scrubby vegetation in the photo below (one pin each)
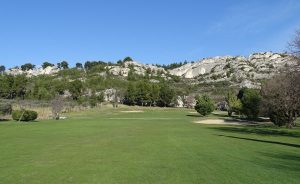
(5, 109)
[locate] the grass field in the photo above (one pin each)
(154, 146)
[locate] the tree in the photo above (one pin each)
(234, 104)
(127, 59)
(131, 75)
(47, 64)
(130, 94)
(166, 95)
(143, 93)
(75, 88)
(189, 101)
(2, 69)
(27, 66)
(57, 106)
(95, 99)
(294, 45)
(100, 97)
(79, 66)
(281, 97)
(154, 94)
(204, 105)
(251, 101)
(43, 93)
(64, 65)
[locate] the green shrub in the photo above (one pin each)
(251, 101)
(234, 104)
(5, 108)
(24, 115)
(278, 118)
(204, 105)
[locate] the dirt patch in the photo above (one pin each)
(193, 112)
(216, 122)
(228, 122)
(144, 118)
(131, 111)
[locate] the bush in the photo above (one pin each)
(278, 118)
(5, 109)
(234, 104)
(204, 105)
(24, 115)
(251, 101)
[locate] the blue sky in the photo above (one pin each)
(150, 31)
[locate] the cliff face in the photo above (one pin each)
(138, 68)
(34, 72)
(261, 65)
(246, 72)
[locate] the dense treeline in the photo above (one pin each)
(83, 85)
(144, 93)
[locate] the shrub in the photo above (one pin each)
(278, 118)
(204, 105)
(251, 101)
(24, 115)
(5, 109)
(234, 104)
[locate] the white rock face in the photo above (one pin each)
(192, 70)
(256, 66)
(35, 72)
(139, 69)
(249, 84)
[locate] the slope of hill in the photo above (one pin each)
(236, 70)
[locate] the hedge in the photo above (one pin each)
(24, 115)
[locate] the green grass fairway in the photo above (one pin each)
(154, 146)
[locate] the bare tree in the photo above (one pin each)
(190, 101)
(282, 93)
(282, 97)
(57, 106)
(294, 45)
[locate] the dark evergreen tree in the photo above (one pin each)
(46, 64)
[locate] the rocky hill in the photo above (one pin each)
(117, 70)
(237, 70)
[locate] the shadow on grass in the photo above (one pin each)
(283, 160)
(220, 115)
(263, 141)
(4, 120)
(216, 115)
(259, 129)
(195, 115)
